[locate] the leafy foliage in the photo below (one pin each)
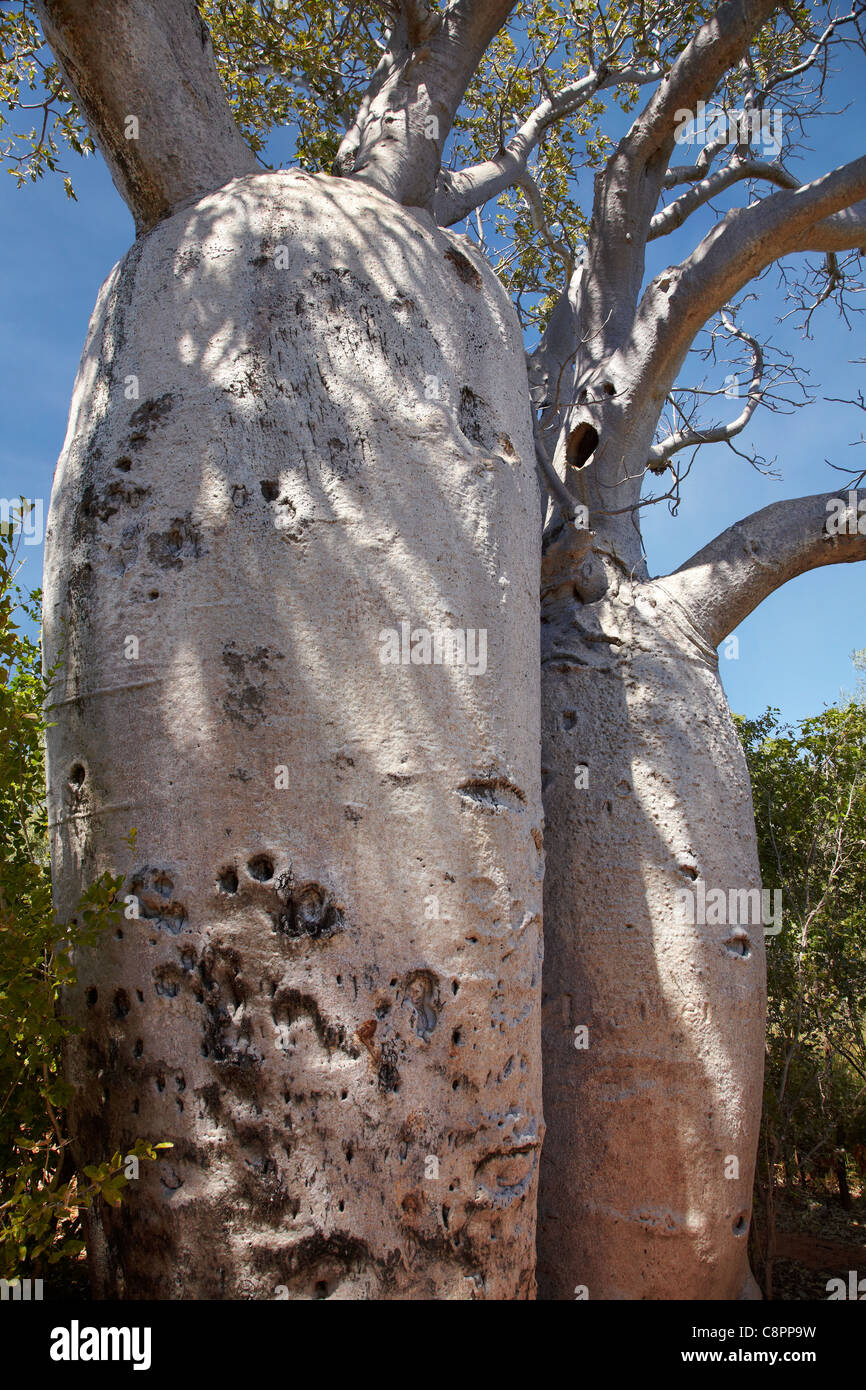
(41, 1195)
(809, 785)
(30, 82)
(302, 66)
(295, 63)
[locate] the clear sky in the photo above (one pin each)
(794, 651)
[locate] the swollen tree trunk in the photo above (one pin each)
(654, 973)
(300, 434)
(653, 1026)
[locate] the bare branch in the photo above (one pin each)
(818, 50)
(568, 507)
(717, 46)
(151, 62)
(628, 189)
(677, 303)
(737, 171)
(690, 173)
(843, 231)
(728, 578)
(530, 191)
(716, 434)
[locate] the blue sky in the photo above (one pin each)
(794, 651)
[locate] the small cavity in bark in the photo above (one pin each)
(421, 991)
(166, 980)
(306, 911)
(738, 944)
(261, 867)
(227, 881)
(492, 793)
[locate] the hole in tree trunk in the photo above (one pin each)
(261, 867)
(581, 445)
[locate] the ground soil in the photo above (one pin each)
(816, 1240)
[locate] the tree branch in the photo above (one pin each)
(674, 215)
(678, 302)
(457, 193)
(717, 46)
(396, 140)
(150, 60)
(628, 189)
(843, 231)
(690, 173)
(727, 579)
(716, 434)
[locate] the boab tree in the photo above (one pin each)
(292, 572)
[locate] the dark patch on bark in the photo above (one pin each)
(464, 267)
(153, 887)
(246, 699)
(79, 590)
(306, 912)
(388, 1074)
(315, 1265)
(188, 259)
(289, 1005)
(477, 422)
(144, 420)
(182, 541)
(227, 1027)
(101, 506)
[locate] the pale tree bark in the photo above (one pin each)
(652, 1115)
(397, 138)
(303, 419)
(728, 578)
(301, 425)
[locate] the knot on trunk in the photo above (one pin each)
(570, 564)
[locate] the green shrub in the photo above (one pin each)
(41, 1193)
